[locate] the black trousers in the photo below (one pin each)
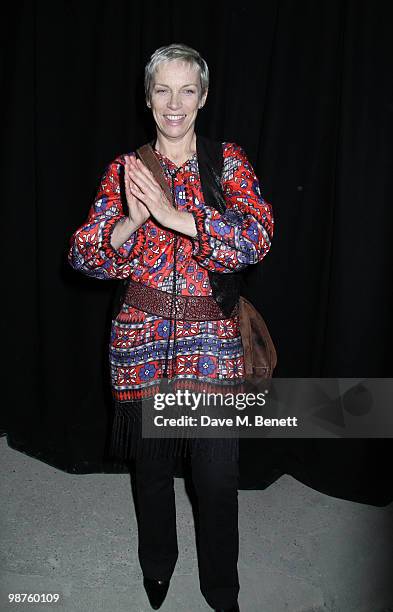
(216, 487)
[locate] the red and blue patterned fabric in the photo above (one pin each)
(204, 351)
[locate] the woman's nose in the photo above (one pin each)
(174, 102)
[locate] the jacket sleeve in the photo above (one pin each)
(90, 249)
(241, 236)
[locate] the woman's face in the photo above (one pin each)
(175, 98)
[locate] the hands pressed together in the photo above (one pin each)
(145, 196)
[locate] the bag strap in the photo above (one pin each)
(149, 158)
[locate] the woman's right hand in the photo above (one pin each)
(138, 213)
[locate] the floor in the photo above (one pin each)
(76, 535)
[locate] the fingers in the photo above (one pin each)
(137, 192)
(130, 186)
(143, 186)
(144, 182)
(145, 170)
(127, 175)
(137, 168)
(140, 170)
(129, 166)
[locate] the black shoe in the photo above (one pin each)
(234, 608)
(156, 591)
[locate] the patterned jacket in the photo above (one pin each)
(209, 351)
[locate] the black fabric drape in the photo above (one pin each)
(305, 87)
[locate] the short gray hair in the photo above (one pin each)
(176, 51)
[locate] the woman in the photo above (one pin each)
(169, 250)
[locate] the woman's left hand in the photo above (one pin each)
(146, 189)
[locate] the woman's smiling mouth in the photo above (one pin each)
(174, 119)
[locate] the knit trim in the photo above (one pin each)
(201, 245)
(234, 385)
(127, 395)
(111, 252)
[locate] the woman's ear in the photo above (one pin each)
(203, 99)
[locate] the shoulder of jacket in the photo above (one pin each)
(232, 149)
(116, 163)
(120, 159)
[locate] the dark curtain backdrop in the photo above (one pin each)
(306, 88)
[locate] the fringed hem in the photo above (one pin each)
(127, 443)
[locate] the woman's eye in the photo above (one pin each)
(190, 91)
(160, 90)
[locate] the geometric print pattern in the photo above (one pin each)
(208, 351)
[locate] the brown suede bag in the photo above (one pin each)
(260, 355)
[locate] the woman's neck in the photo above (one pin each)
(177, 151)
